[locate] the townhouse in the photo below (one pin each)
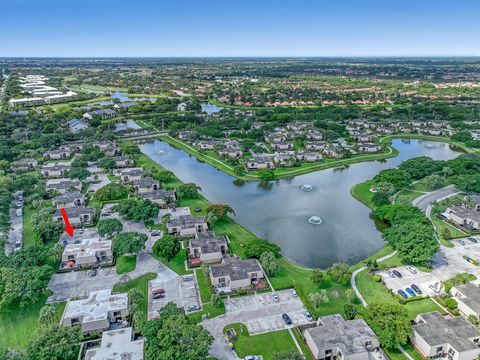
(234, 274)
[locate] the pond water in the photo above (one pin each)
(279, 211)
(128, 124)
(210, 108)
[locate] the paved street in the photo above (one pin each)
(260, 314)
(424, 201)
(15, 233)
(98, 183)
(80, 283)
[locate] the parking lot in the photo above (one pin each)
(177, 289)
(15, 233)
(447, 263)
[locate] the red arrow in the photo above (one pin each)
(68, 228)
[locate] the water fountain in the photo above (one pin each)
(307, 188)
(315, 220)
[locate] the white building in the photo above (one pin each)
(117, 345)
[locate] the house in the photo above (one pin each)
(286, 158)
(55, 170)
(260, 162)
(102, 114)
(122, 161)
(207, 247)
(24, 165)
(146, 184)
(435, 335)
(315, 145)
(90, 252)
(314, 135)
(186, 225)
(78, 215)
(460, 215)
(69, 199)
(333, 152)
(234, 274)
(108, 148)
(334, 338)
(130, 175)
(117, 345)
(282, 145)
(231, 152)
(97, 312)
(76, 125)
(160, 196)
(468, 299)
(309, 156)
(369, 148)
(126, 105)
(57, 155)
(182, 106)
(206, 144)
(64, 185)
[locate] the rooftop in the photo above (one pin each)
(117, 345)
(235, 268)
(208, 242)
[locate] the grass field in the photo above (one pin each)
(27, 226)
(177, 264)
(204, 286)
(141, 284)
(263, 344)
(125, 264)
(18, 326)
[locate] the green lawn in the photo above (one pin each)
(263, 344)
(376, 292)
(395, 354)
(125, 264)
(207, 309)
(177, 264)
(204, 286)
(27, 226)
(140, 283)
(362, 193)
(306, 351)
(18, 326)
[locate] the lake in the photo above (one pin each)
(210, 108)
(279, 210)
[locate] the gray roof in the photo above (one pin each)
(146, 182)
(76, 211)
(159, 194)
(438, 330)
(57, 166)
(472, 296)
(466, 213)
(117, 345)
(186, 221)
(208, 242)
(68, 197)
(235, 268)
(349, 336)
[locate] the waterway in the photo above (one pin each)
(279, 211)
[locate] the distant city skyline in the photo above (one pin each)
(266, 28)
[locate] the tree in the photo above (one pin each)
(112, 192)
(451, 303)
(55, 342)
(349, 308)
(107, 163)
(7, 354)
(164, 176)
(318, 298)
(288, 355)
(390, 322)
(137, 316)
(421, 166)
(109, 227)
(400, 179)
(433, 181)
(340, 272)
(48, 315)
(256, 247)
(167, 247)
(80, 173)
(44, 227)
(266, 174)
(317, 276)
(129, 243)
(238, 170)
(220, 210)
(216, 300)
(380, 198)
(137, 209)
(188, 191)
(269, 263)
(211, 219)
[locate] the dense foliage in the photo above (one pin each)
(137, 209)
(112, 192)
(167, 247)
(391, 324)
(255, 248)
(128, 243)
(109, 227)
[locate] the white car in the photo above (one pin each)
(252, 357)
(411, 269)
(275, 297)
(390, 273)
(293, 292)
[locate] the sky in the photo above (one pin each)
(213, 28)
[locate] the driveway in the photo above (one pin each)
(97, 181)
(424, 201)
(260, 314)
(15, 233)
(81, 283)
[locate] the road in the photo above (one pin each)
(424, 201)
(15, 233)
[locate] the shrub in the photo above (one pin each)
(377, 278)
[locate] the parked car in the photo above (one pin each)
(411, 269)
(434, 287)
(252, 357)
(187, 277)
(287, 319)
(294, 293)
(308, 315)
(158, 294)
(19, 212)
(410, 292)
(81, 230)
(397, 273)
(275, 297)
(402, 293)
(390, 273)
(416, 289)
(470, 260)
(473, 240)
(193, 307)
(93, 272)
(18, 244)
(461, 242)
(155, 233)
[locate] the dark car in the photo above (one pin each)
(410, 292)
(397, 273)
(473, 240)
(287, 319)
(416, 289)
(402, 293)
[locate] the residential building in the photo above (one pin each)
(282, 145)
(55, 170)
(77, 215)
(234, 273)
(309, 156)
(69, 199)
(435, 336)
(97, 312)
(122, 161)
(117, 345)
(130, 175)
(369, 148)
(260, 162)
(334, 338)
(146, 184)
(90, 252)
(76, 125)
(160, 196)
(64, 185)
(207, 247)
(24, 165)
(187, 225)
(57, 155)
(103, 114)
(460, 215)
(468, 299)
